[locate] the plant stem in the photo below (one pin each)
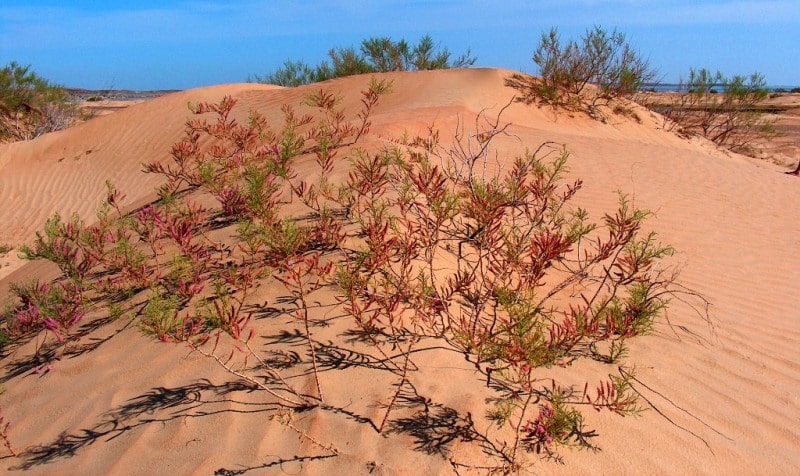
(399, 388)
(304, 403)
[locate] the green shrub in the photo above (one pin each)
(30, 105)
(604, 60)
(377, 54)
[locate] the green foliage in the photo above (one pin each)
(599, 58)
(56, 307)
(556, 425)
(160, 317)
(346, 62)
(58, 244)
(5, 339)
(617, 350)
(21, 88)
(30, 105)
(377, 54)
(294, 73)
(383, 55)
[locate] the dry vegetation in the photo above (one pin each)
(728, 111)
(418, 248)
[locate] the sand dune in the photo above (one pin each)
(725, 397)
(66, 171)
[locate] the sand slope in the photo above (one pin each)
(726, 398)
(66, 171)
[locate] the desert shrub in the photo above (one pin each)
(377, 54)
(601, 59)
(346, 62)
(532, 282)
(387, 55)
(56, 307)
(30, 105)
(725, 110)
(294, 73)
(517, 249)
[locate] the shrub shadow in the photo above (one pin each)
(185, 401)
(433, 426)
(277, 463)
(525, 85)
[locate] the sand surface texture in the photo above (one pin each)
(725, 397)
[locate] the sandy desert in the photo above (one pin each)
(721, 390)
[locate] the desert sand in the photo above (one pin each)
(723, 396)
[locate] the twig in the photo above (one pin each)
(636, 379)
(303, 404)
(286, 419)
(399, 388)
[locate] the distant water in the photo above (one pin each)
(673, 87)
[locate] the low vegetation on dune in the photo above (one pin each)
(30, 105)
(375, 55)
(586, 75)
(413, 247)
(726, 110)
(590, 75)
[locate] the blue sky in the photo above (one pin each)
(149, 44)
